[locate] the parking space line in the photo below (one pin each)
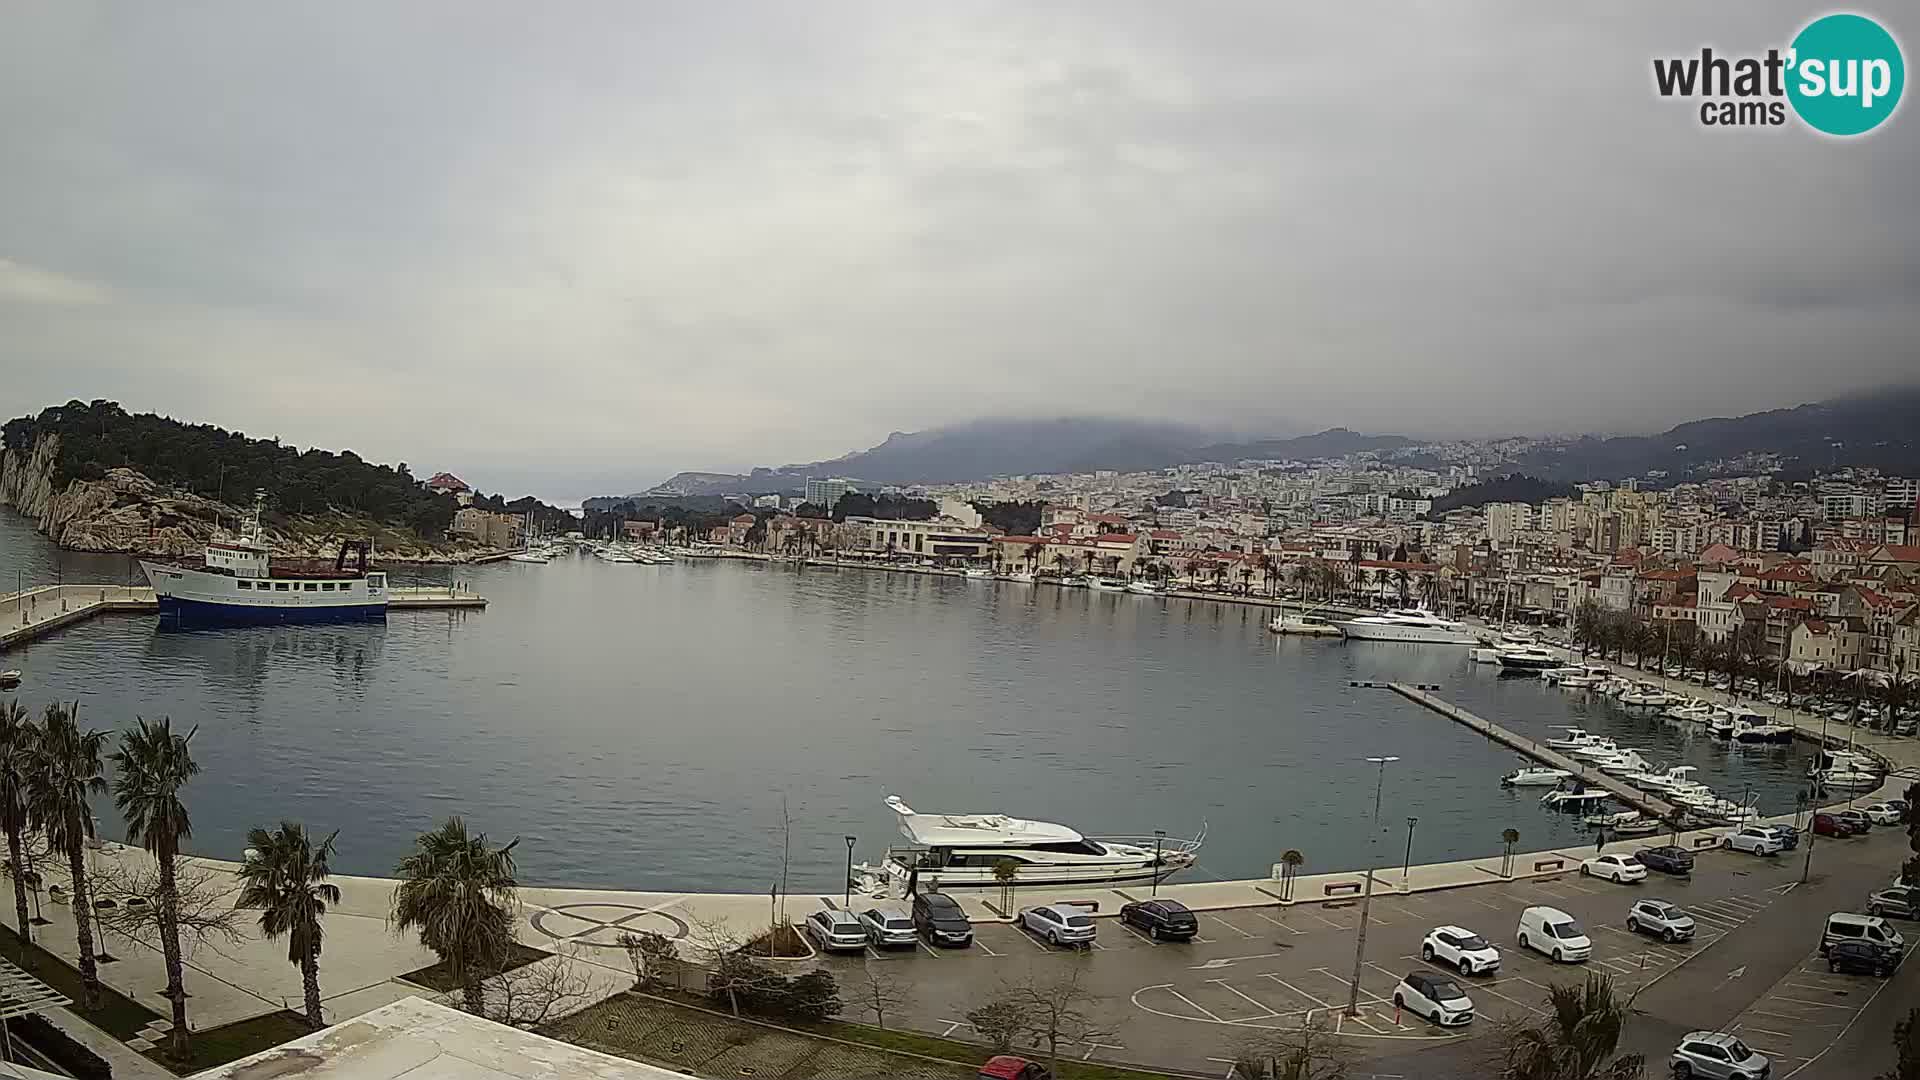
(1138, 934)
(1763, 1031)
(1230, 926)
(984, 947)
(1796, 1019)
(1297, 990)
(1409, 914)
(1819, 1004)
(1223, 984)
(1204, 1012)
(1326, 920)
(1276, 922)
(932, 953)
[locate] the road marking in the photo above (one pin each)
(1764, 1031)
(1195, 1005)
(1230, 926)
(1884, 983)
(1297, 990)
(1326, 920)
(1803, 1001)
(1482, 903)
(1139, 935)
(929, 948)
(984, 947)
(1229, 961)
(1789, 1016)
(1276, 922)
(952, 1026)
(1222, 983)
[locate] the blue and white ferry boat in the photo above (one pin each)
(240, 585)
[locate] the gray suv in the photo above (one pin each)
(1899, 901)
(1718, 1056)
(1661, 919)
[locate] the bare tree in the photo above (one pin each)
(1306, 1052)
(1056, 1010)
(999, 1021)
(731, 973)
(879, 992)
(203, 900)
(538, 993)
(655, 959)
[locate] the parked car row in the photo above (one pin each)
(938, 919)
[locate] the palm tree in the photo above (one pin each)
(285, 876)
(1292, 860)
(150, 767)
(457, 892)
(17, 741)
(1574, 1040)
(1402, 579)
(65, 772)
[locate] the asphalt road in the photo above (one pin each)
(1184, 1006)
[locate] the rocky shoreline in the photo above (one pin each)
(126, 512)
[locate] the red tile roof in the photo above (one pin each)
(1021, 539)
(1116, 538)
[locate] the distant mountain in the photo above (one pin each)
(1880, 430)
(1331, 443)
(985, 448)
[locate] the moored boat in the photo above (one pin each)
(239, 584)
(953, 851)
(1414, 626)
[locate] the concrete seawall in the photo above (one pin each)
(25, 616)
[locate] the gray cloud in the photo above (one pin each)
(580, 248)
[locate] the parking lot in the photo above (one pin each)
(1182, 1004)
(1800, 1016)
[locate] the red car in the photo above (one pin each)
(1828, 825)
(1008, 1067)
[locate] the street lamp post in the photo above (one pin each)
(1159, 838)
(1366, 897)
(846, 901)
(1406, 867)
(93, 899)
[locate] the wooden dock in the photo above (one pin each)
(1544, 754)
(27, 615)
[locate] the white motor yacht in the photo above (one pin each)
(1644, 696)
(1529, 658)
(1144, 588)
(1627, 762)
(956, 851)
(1675, 778)
(1534, 776)
(1408, 625)
(1551, 676)
(1693, 711)
(1101, 584)
(1848, 780)
(1745, 730)
(1573, 800)
(1303, 625)
(1595, 750)
(977, 572)
(1024, 577)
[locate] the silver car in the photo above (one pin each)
(1059, 924)
(836, 931)
(1717, 1056)
(888, 927)
(1665, 921)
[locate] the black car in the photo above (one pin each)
(1168, 920)
(1667, 859)
(939, 919)
(1861, 958)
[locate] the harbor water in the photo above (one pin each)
(677, 727)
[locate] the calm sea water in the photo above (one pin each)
(642, 726)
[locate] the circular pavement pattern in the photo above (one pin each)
(601, 925)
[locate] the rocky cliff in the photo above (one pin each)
(127, 511)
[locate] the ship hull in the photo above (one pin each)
(1411, 635)
(207, 613)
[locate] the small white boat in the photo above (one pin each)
(10, 678)
(1535, 776)
(1303, 625)
(978, 573)
(1529, 658)
(1573, 800)
(1595, 750)
(1025, 577)
(1072, 581)
(1144, 588)
(1100, 584)
(528, 557)
(1573, 740)
(1848, 780)
(1746, 731)
(1551, 676)
(1644, 696)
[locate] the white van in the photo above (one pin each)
(1872, 929)
(1554, 933)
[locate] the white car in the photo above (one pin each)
(1059, 924)
(1755, 840)
(1467, 951)
(1434, 996)
(836, 931)
(1554, 933)
(1882, 814)
(1619, 869)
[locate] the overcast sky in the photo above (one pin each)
(573, 248)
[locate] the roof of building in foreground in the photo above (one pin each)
(419, 1040)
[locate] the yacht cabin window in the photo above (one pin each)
(244, 583)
